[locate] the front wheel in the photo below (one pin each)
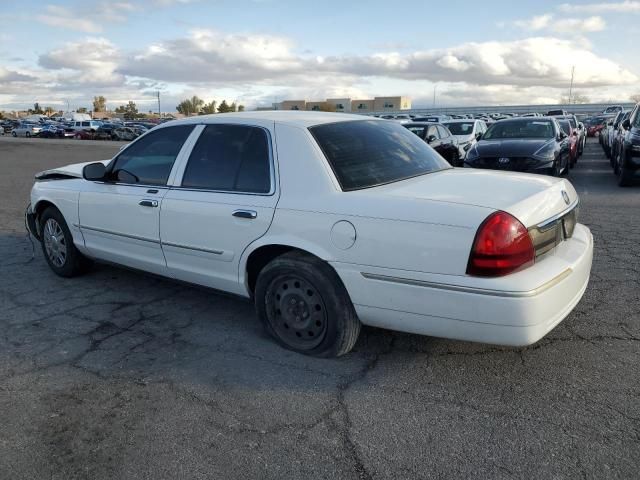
(28, 134)
(304, 306)
(57, 245)
(624, 174)
(14, 134)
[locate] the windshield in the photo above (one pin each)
(460, 128)
(366, 153)
(520, 129)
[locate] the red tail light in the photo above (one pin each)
(502, 245)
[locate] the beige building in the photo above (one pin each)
(294, 105)
(381, 104)
(339, 104)
(378, 104)
(362, 106)
(317, 106)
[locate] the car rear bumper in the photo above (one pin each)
(516, 310)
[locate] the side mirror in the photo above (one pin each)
(563, 135)
(575, 134)
(94, 171)
(431, 138)
(626, 124)
(478, 136)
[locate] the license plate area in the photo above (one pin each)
(549, 235)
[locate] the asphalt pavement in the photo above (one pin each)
(117, 374)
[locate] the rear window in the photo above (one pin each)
(366, 153)
(460, 128)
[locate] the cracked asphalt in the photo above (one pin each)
(120, 375)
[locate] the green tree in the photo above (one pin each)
(37, 109)
(81, 110)
(130, 110)
(48, 111)
(209, 108)
(233, 107)
(241, 108)
(99, 104)
(190, 106)
(224, 107)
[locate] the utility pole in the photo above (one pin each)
(573, 69)
(159, 112)
(434, 95)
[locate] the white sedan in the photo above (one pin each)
(327, 222)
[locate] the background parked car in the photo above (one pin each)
(439, 138)
(628, 161)
(84, 135)
(86, 125)
(528, 144)
(571, 139)
(467, 132)
(56, 131)
(25, 129)
(594, 125)
(125, 133)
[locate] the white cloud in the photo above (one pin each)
(536, 23)
(575, 26)
(259, 67)
(87, 19)
(580, 25)
(603, 7)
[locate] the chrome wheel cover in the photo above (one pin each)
(54, 242)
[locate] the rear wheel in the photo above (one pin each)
(14, 134)
(27, 134)
(57, 245)
(304, 306)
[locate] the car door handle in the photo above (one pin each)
(148, 203)
(250, 214)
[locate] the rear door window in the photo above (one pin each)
(367, 153)
(230, 158)
(149, 160)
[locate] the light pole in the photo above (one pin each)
(159, 112)
(573, 69)
(434, 95)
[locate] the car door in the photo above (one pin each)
(119, 218)
(432, 137)
(449, 144)
(223, 200)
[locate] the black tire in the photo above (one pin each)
(625, 176)
(14, 134)
(556, 170)
(455, 159)
(322, 321)
(27, 134)
(73, 263)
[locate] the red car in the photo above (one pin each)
(572, 138)
(84, 135)
(595, 125)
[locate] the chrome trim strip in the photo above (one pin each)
(118, 234)
(479, 291)
(549, 221)
(197, 249)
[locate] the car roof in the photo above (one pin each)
(287, 117)
(462, 120)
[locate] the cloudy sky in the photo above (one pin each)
(256, 52)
